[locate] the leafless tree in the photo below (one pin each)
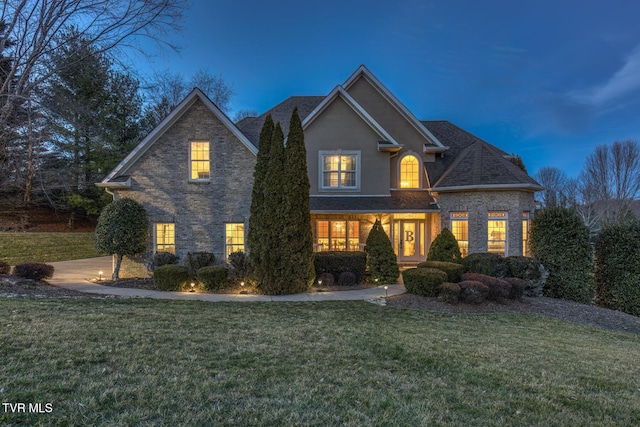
(554, 181)
(34, 29)
(241, 114)
(610, 179)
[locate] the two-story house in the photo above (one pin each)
(368, 158)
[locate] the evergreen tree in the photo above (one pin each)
(445, 248)
(255, 236)
(123, 229)
(297, 237)
(381, 260)
(269, 276)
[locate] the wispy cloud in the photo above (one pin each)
(623, 82)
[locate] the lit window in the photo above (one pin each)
(497, 233)
(234, 238)
(460, 230)
(409, 172)
(339, 171)
(200, 164)
(166, 237)
(525, 233)
(337, 236)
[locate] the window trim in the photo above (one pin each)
(504, 217)
(460, 216)
(227, 245)
(420, 169)
(156, 234)
(319, 247)
(321, 156)
(191, 160)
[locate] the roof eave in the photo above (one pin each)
(488, 187)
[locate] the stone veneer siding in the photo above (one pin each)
(478, 204)
(200, 210)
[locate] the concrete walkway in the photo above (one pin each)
(79, 275)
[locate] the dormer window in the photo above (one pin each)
(409, 172)
(340, 170)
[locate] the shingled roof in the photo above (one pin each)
(472, 162)
(397, 201)
(251, 126)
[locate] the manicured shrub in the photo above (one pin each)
(560, 240)
(444, 248)
(423, 281)
(381, 260)
(4, 268)
(485, 263)
(213, 278)
(33, 271)
(453, 270)
(518, 287)
(196, 260)
(473, 292)
(531, 271)
(347, 278)
(240, 264)
(162, 258)
(171, 277)
(449, 292)
(337, 263)
(326, 279)
(617, 267)
(499, 289)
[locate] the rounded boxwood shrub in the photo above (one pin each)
(449, 292)
(196, 260)
(33, 271)
(485, 263)
(213, 278)
(473, 292)
(347, 279)
(162, 258)
(326, 279)
(453, 270)
(4, 268)
(499, 289)
(617, 267)
(531, 271)
(423, 281)
(444, 248)
(171, 277)
(560, 240)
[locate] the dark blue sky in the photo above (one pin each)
(548, 80)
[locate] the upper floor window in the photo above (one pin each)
(340, 170)
(199, 163)
(409, 172)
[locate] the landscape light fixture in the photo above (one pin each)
(385, 290)
(319, 282)
(241, 283)
(100, 276)
(193, 285)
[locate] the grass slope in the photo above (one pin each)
(143, 362)
(18, 248)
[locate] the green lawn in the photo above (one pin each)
(17, 248)
(143, 362)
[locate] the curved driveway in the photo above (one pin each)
(80, 275)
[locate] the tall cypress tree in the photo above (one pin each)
(381, 259)
(269, 276)
(256, 232)
(297, 244)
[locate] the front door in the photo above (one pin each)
(409, 241)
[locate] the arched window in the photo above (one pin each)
(409, 172)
